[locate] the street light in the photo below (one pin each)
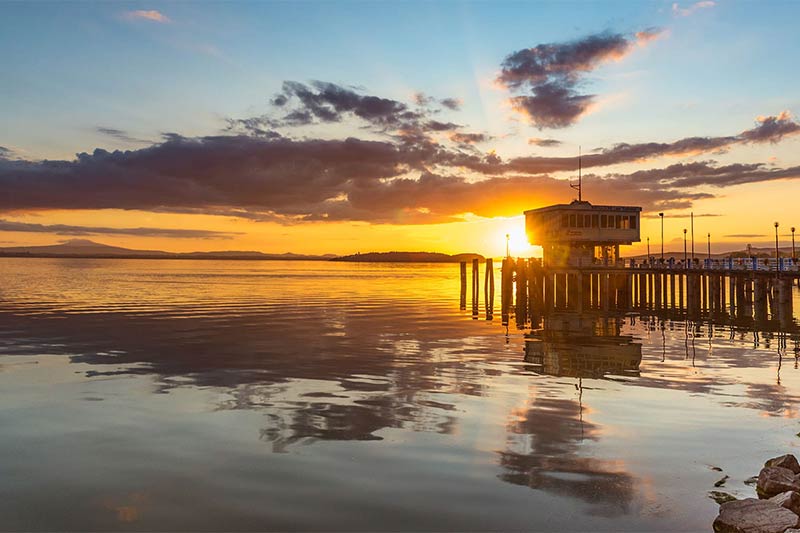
(648, 249)
(661, 216)
(777, 250)
(793, 254)
(507, 248)
(684, 248)
(709, 248)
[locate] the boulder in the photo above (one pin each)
(772, 480)
(788, 500)
(754, 516)
(785, 461)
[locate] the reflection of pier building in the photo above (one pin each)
(575, 345)
(579, 233)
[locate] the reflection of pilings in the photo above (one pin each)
(488, 288)
(604, 292)
(463, 298)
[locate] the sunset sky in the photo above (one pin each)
(343, 127)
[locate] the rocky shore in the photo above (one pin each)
(777, 508)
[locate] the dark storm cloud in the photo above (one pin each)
(64, 229)
(544, 143)
(553, 71)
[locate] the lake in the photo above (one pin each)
(259, 395)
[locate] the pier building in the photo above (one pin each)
(580, 234)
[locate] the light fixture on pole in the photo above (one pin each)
(648, 249)
(661, 216)
(692, 226)
(777, 250)
(709, 248)
(793, 254)
(684, 247)
(507, 247)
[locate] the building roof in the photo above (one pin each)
(583, 206)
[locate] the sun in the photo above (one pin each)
(518, 245)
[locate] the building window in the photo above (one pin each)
(617, 221)
(580, 221)
(625, 221)
(633, 221)
(603, 221)
(564, 221)
(587, 221)
(595, 221)
(572, 222)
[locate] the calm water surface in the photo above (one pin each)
(204, 395)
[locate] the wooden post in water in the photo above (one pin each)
(657, 279)
(785, 302)
(672, 290)
(488, 288)
(506, 288)
(476, 287)
(573, 291)
(586, 291)
(760, 298)
(463, 299)
(521, 310)
(561, 290)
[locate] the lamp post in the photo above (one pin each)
(661, 216)
(648, 250)
(777, 250)
(793, 254)
(692, 226)
(684, 248)
(508, 254)
(709, 248)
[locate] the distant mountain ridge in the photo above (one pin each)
(84, 248)
(91, 249)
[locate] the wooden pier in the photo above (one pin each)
(742, 291)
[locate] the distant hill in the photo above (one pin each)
(408, 257)
(91, 249)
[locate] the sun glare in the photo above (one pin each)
(518, 242)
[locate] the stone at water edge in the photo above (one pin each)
(772, 480)
(785, 461)
(754, 516)
(788, 500)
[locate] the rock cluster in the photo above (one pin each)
(778, 508)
